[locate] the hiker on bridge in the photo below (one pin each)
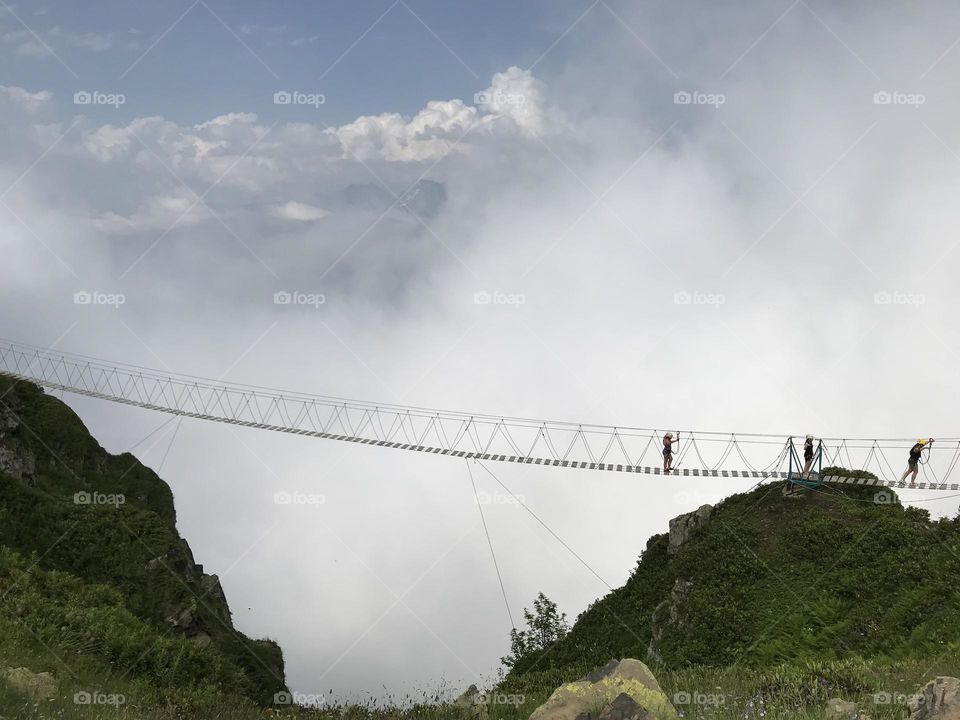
(913, 462)
(807, 456)
(668, 442)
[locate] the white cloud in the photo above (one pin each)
(32, 49)
(25, 99)
(96, 42)
(516, 94)
(38, 43)
(107, 143)
(442, 126)
(156, 214)
(301, 212)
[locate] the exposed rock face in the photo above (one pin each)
(624, 707)
(15, 460)
(38, 686)
(213, 591)
(8, 419)
(939, 699)
(468, 698)
(840, 709)
(621, 690)
(684, 526)
(472, 704)
(668, 615)
(184, 621)
(18, 463)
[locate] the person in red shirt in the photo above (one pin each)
(667, 453)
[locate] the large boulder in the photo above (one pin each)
(684, 526)
(37, 686)
(939, 699)
(624, 707)
(840, 709)
(621, 690)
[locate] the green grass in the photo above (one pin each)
(791, 690)
(828, 576)
(127, 563)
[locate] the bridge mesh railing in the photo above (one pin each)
(481, 436)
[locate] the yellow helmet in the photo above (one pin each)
(922, 441)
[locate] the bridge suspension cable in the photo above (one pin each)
(458, 434)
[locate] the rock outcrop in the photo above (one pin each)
(621, 690)
(16, 460)
(840, 709)
(17, 463)
(939, 699)
(667, 615)
(624, 707)
(684, 526)
(472, 704)
(37, 686)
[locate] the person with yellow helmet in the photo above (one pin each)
(913, 462)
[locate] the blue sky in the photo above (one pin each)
(214, 57)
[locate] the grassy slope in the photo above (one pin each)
(122, 571)
(829, 575)
(829, 578)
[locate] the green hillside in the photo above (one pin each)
(844, 572)
(95, 585)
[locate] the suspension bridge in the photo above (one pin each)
(762, 456)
